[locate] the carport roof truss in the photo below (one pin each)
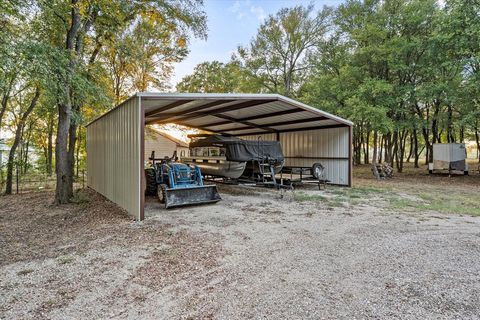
(235, 114)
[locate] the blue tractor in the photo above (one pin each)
(178, 184)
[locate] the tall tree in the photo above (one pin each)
(277, 58)
(214, 77)
(18, 135)
(81, 28)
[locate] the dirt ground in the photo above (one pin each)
(403, 248)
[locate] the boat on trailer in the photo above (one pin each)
(233, 158)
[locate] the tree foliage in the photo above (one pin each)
(405, 72)
(277, 58)
(215, 76)
(95, 53)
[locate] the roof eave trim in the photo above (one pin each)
(208, 96)
(113, 109)
(217, 96)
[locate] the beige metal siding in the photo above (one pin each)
(330, 147)
(264, 137)
(162, 146)
(114, 155)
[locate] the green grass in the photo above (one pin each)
(335, 201)
(408, 200)
(411, 192)
(450, 203)
(65, 259)
(358, 192)
(334, 198)
(301, 196)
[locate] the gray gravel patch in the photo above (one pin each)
(253, 255)
(292, 260)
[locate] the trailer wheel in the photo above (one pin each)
(317, 170)
(161, 193)
(151, 182)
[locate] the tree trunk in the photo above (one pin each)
(436, 136)
(428, 152)
(16, 141)
(358, 154)
(374, 158)
(402, 141)
(426, 134)
(450, 131)
(388, 148)
(72, 140)
(21, 151)
(26, 150)
(362, 143)
(415, 148)
(77, 156)
(50, 145)
(410, 152)
(395, 148)
(45, 156)
(381, 150)
(64, 187)
(356, 145)
(5, 97)
(62, 169)
(477, 139)
(25, 155)
(367, 153)
(395, 156)
(428, 146)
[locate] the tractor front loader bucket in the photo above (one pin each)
(192, 195)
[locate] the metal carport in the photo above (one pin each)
(115, 140)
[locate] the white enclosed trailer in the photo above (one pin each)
(449, 156)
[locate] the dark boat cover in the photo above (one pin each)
(242, 150)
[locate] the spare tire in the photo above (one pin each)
(317, 170)
(151, 182)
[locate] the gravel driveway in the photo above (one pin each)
(254, 255)
(303, 260)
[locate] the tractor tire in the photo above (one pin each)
(151, 182)
(161, 193)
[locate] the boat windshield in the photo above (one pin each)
(208, 152)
